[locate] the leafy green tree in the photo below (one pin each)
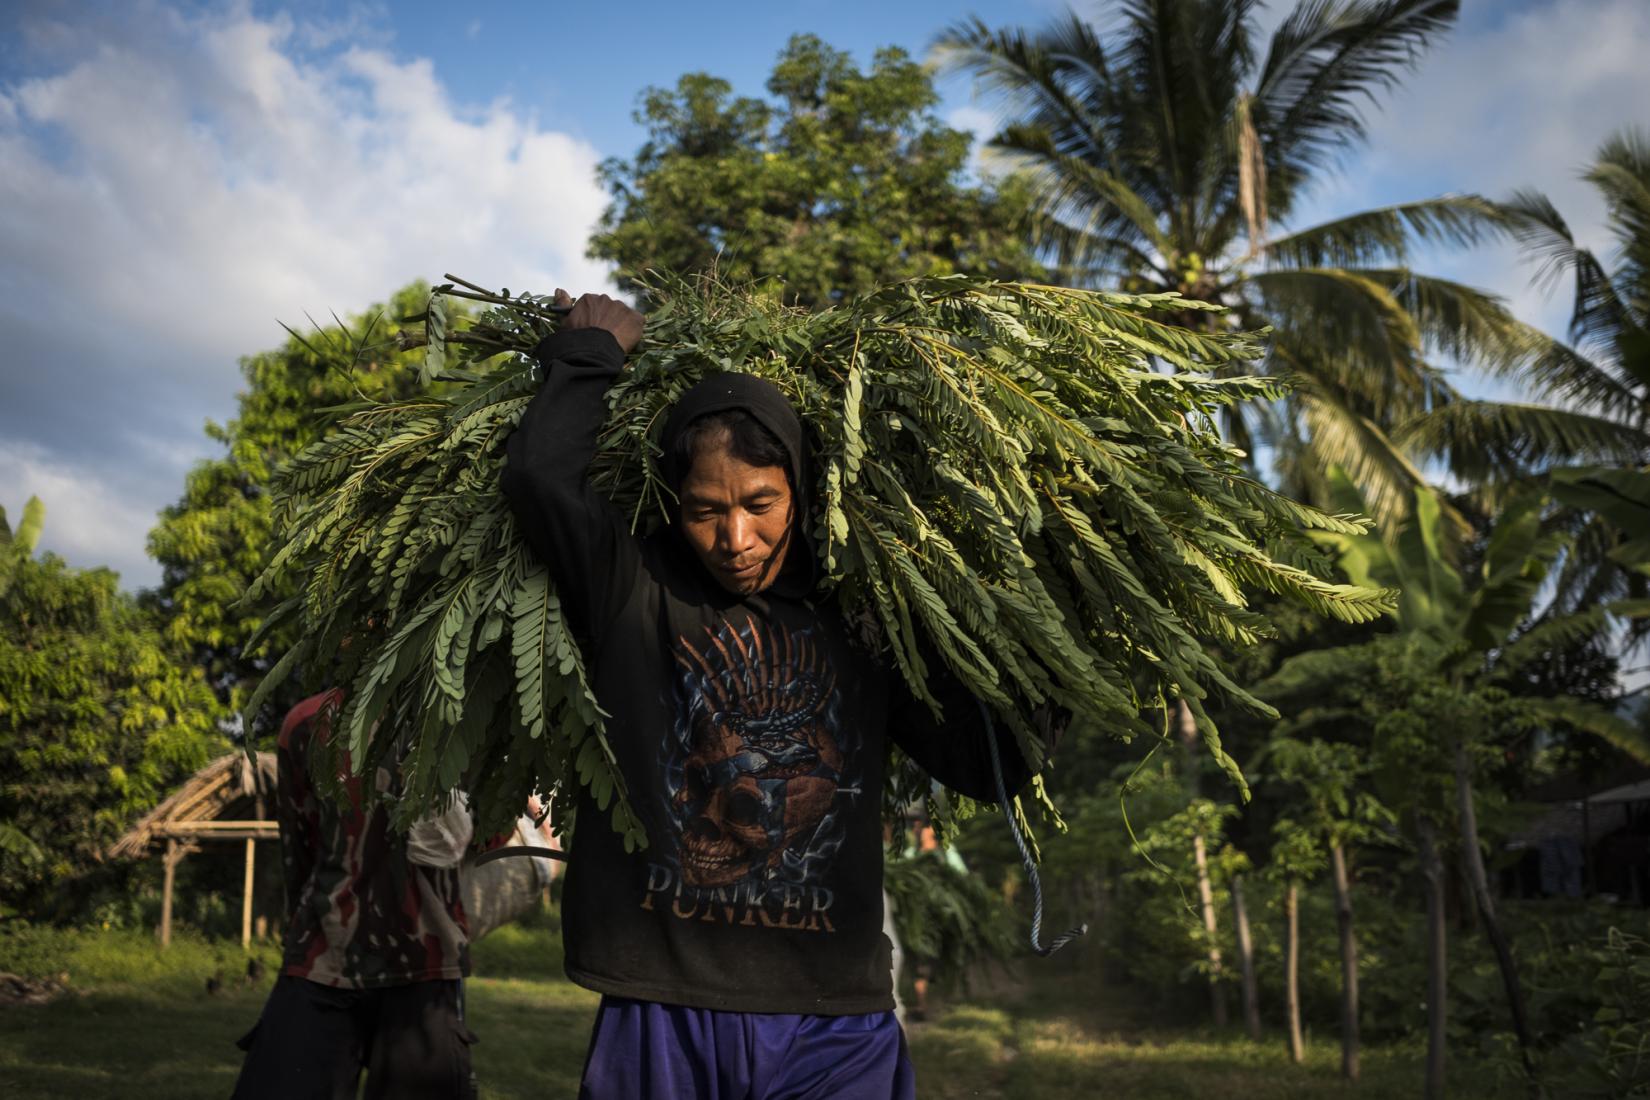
(97, 719)
(1435, 696)
(843, 182)
(1164, 148)
(216, 538)
(1297, 857)
(946, 915)
(1178, 845)
(1332, 779)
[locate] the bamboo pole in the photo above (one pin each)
(169, 862)
(186, 828)
(246, 894)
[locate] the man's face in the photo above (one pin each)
(737, 517)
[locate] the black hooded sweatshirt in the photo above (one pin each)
(749, 731)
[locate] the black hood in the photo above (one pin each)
(768, 404)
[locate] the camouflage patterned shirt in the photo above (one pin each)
(359, 915)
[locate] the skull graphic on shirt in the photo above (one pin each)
(760, 759)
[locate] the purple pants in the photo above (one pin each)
(640, 1050)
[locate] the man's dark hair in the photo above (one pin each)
(749, 440)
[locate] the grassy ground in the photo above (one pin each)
(137, 1022)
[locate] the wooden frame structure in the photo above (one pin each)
(194, 814)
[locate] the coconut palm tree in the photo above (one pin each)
(1167, 143)
(1589, 397)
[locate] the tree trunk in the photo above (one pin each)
(1246, 958)
(1186, 728)
(1432, 872)
(1291, 971)
(1187, 723)
(1478, 881)
(1349, 964)
(1466, 905)
(1206, 894)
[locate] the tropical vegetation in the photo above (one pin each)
(1047, 465)
(98, 718)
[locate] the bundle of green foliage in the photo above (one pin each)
(97, 719)
(1003, 480)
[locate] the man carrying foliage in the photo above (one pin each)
(740, 953)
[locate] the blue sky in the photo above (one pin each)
(583, 72)
(176, 177)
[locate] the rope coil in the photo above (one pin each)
(1025, 852)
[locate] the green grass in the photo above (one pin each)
(138, 1022)
(1064, 1034)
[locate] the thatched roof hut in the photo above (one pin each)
(224, 801)
(227, 801)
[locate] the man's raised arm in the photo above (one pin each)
(589, 550)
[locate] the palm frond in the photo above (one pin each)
(1559, 371)
(1466, 324)
(1386, 234)
(1600, 320)
(1369, 314)
(1187, 64)
(1493, 440)
(1084, 203)
(1561, 632)
(1622, 172)
(1341, 437)
(1589, 717)
(1323, 63)
(1059, 80)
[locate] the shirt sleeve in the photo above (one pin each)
(953, 749)
(588, 548)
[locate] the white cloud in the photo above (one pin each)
(87, 522)
(1515, 97)
(976, 120)
(179, 183)
(981, 125)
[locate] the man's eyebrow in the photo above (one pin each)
(690, 498)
